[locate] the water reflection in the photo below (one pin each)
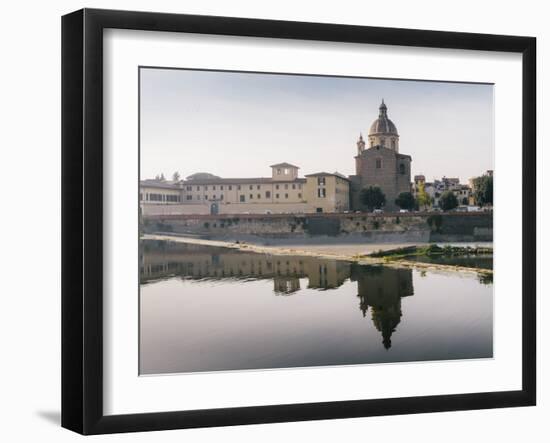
(311, 323)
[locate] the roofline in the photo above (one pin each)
(284, 164)
(320, 174)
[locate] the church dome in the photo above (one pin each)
(383, 125)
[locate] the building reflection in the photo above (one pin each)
(379, 289)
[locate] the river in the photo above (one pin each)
(205, 308)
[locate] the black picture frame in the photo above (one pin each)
(82, 218)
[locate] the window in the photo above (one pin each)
(189, 197)
(276, 186)
(321, 192)
(239, 187)
(378, 163)
(402, 169)
(198, 188)
(267, 194)
(393, 143)
(293, 186)
(230, 187)
(189, 188)
(251, 196)
(206, 197)
(214, 197)
(286, 171)
(214, 188)
(258, 187)
(276, 195)
(250, 187)
(172, 198)
(278, 171)
(259, 196)
(141, 196)
(371, 144)
(321, 181)
(241, 198)
(300, 195)
(221, 188)
(221, 197)
(286, 195)
(383, 141)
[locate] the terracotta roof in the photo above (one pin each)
(284, 165)
(159, 184)
(240, 181)
(324, 174)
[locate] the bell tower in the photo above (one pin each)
(360, 144)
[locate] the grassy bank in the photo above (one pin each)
(432, 250)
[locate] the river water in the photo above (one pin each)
(212, 309)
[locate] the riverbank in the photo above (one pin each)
(367, 254)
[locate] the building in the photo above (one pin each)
(380, 163)
(327, 192)
(283, 192)
(159, 192)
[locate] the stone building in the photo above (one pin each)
(283, 192)
(380, 163)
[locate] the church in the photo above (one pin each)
(379, 163)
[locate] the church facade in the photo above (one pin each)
(379, 163)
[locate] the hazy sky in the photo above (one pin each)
(237, 124)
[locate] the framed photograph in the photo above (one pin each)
(268, 221)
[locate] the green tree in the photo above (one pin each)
(422, 197)
(405, 200)
(372, 197)
(448, 201)
(483, 190)
(176, 176)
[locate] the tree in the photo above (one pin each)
(162, 178)
(448, 201)
(422, 197)
(176, 176)
(483, 190)
(405, 200)
(372, 197)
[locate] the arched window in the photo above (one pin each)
(383, 141)
(393, 143)
(402, 169)
(378, 163)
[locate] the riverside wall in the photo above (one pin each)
(381, 228)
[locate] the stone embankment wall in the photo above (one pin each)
(396, 227)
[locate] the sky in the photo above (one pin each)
(234, 124)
